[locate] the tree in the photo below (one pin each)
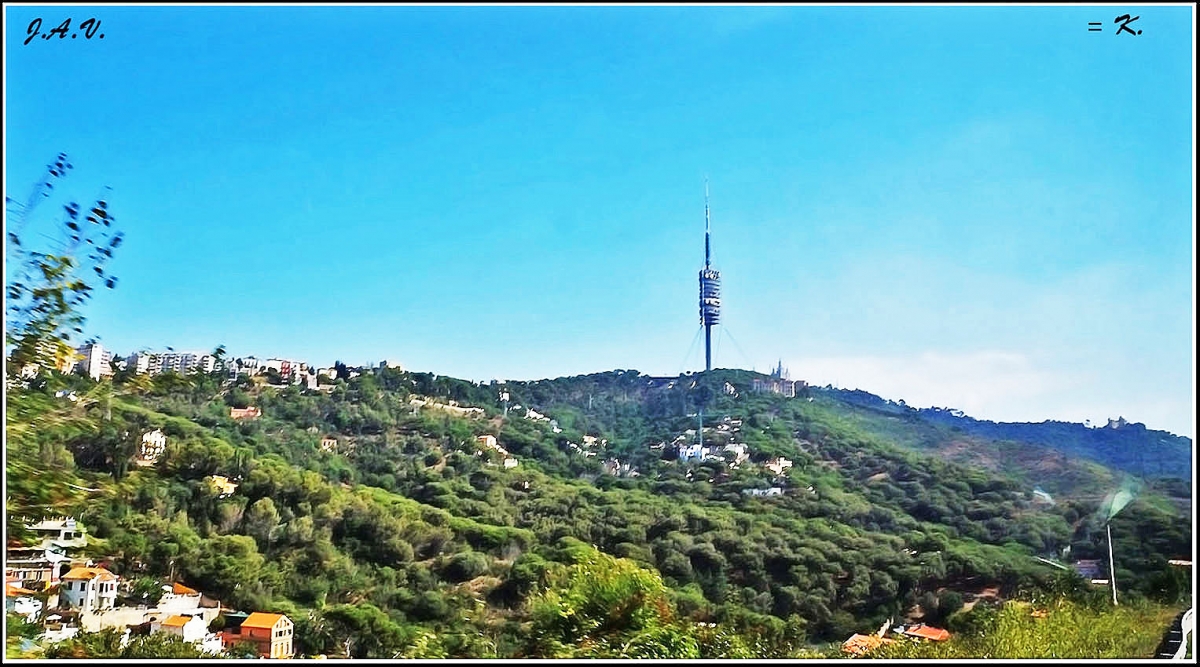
(262, 521)
(363, 631)
(607, 607)
(161, 646)
(46, 291)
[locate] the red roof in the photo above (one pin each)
(927, 632)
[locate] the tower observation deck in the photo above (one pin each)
(710, 289)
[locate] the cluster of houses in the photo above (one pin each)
(859, 645)
(734, 453)
(52, 583)
(589, 446)
(452, 407)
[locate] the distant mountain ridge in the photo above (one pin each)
(1129, 447)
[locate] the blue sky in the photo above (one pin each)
(987, 208)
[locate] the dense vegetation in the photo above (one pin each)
(411, 540)
(1128, 447)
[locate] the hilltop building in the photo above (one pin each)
(778, 383)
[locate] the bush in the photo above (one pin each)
(465, 566)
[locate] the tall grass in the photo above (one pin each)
(1059, 629)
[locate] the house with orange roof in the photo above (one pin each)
(863, 644)
(88, 589)
(271, 633)
(19, 600)
(190, 628)
(245, 413)
(922, 631)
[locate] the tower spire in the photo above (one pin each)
(710, 286)
(707, 226)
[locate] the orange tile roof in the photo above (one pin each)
(928, 632)
(261, 619)
(89, 573)
(14, 588)
(180, 589)
(860, 644)
(177, 621)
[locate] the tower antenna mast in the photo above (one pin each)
(710, 287)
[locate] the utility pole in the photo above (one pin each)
(1112, 571)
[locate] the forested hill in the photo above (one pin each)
(1129, 447)
(380, 517)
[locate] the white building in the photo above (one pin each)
(778, 464)
(94, 361)
(65, 533)
(89, 589)
(692, 452)
(488, 441)
(139, 362)
(773, 491)
(178, 362)
(191, 629)
(510, 463)
(530, 413)
(153, 444)
(179, 599)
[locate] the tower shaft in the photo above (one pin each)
(708, 347)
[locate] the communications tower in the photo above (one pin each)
(710, 289)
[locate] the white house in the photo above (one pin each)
(153, 444)
(191, 629)
(179, 599)
(691, 452)
(61, 532)
(773, 491)
(778, 464)
(89, 588)
(510, 463)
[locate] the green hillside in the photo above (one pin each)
(411, 538)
